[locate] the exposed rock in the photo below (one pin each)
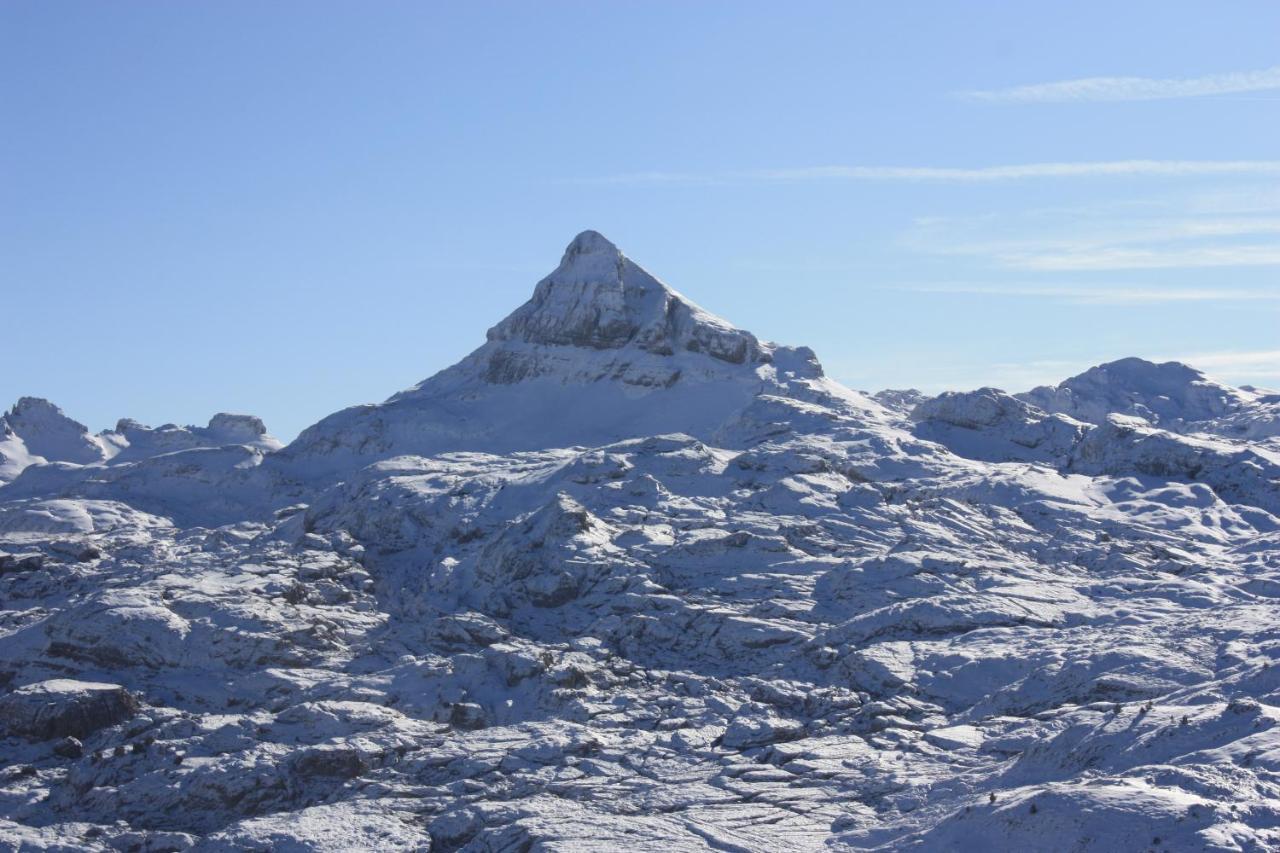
(335, 762)
(467, 715)
(993, 426)
(63, 707)
(69, 747)
(21, 562)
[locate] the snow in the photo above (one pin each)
(955, 737)
(1171, 395)
(627, 576)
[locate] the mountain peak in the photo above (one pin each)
(46, 431)
(1165, 394)
(602, 351)
(599, 299)
(589, 243)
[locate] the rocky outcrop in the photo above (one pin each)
(65, 708)
(1172, 396)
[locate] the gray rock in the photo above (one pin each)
(69, 747)
(467, 715)
(21, 562)
(330, 762)
(63, 707)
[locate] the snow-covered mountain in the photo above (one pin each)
(601, 352)
(1172, 396)
(628, 576)
(36, 431)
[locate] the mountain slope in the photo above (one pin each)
(602, 351)
(36, 431)
(1171, 396)
(629, 577)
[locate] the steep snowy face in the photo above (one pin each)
(1169, 395)
(47, 432)
(603, 351)
(601, 316)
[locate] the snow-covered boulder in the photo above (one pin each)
(119, 630)
(64, 707)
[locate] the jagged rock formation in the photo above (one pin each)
(36, 431)
(629, 577)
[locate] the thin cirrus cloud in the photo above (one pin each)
(1023, 171)
(1106, 244)
(1134, 88)
(1113, 258)
(1251, 364)
(1098, 294)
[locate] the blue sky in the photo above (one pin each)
(286, 208)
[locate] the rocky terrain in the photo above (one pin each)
(628, 577)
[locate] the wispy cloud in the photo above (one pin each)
(1238, 199)
(1112, 258)
(1240, 365)
(1098, 294)
(1023, 171)
(1106, 241)
(933, 376)
(1135, 88)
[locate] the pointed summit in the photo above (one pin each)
(601, 352)
(589, 243)
(47, 432)
(600, 299)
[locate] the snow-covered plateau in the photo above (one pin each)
(629, 578)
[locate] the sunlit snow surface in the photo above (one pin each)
(628, 577)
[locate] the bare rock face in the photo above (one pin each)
(20, 562)
(69, 747)
(65, 708)
(329, 763)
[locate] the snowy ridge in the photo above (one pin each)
(602, 351)
(628, 577)
(1172, 396)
